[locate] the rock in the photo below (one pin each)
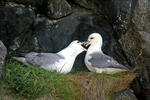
(35, 3)
(118, 12)
(16, 25)
(125, 94)
(85, 3)
(121, 16)
(51, 30)
(99, 6)
(58, 8)
(3, 52)
(136, 44)
(141, 15)
(51, 8)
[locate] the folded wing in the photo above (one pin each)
(44, 59)
(101, 60)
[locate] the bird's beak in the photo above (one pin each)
(84, 49)
(82, 44)
(86, 44)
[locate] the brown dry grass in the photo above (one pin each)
(99, 87)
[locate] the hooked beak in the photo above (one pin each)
(86, 44)
(83, 46)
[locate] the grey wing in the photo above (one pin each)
(103, 61)
(42, 59)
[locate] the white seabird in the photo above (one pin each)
(97, 61)
(62, 61)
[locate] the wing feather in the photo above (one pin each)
(101, 60)
(43, 59)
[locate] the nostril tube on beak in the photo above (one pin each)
(85, 44)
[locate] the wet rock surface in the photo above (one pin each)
(3, 52)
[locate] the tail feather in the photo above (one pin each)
(21, 59)
(123, 67)
(20, 54)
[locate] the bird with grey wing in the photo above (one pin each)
(62, 61)
(96, 60)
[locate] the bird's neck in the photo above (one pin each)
(95, 48)
(68, 52)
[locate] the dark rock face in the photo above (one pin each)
(104, 7)
(58, 8)
(51, 8)
(136, 44)
(16, 22)
(85, 3)
(35, 3)
(3, 52)
(118, 12)
(123, 10)
(56, 31)
(126, 94)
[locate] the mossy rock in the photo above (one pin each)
(20, 82)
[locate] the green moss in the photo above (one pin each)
(31, 82)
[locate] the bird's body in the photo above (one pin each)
(97, 61)
(61, 62)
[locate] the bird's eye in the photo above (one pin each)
(91, 38)
(78, 41)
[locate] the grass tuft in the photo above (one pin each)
(32, 82)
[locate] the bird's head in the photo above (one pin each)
(94, 39)
(77, 46)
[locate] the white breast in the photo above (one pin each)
(57, 66)
(68, 65)
(88, 64)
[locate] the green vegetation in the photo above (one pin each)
(28, 82)
(31, 82)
